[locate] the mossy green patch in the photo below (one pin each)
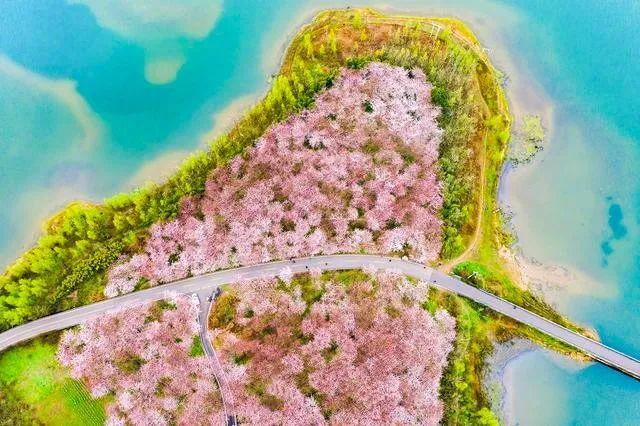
(346, 277)
(32, 376)
(196, 347)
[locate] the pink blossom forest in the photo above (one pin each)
(356, 172)
(141, 354)
(315, 349)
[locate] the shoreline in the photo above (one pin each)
(500, 381)
(494, 380)
(552, 282)
(282, 54)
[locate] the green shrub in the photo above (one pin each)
(196, 347)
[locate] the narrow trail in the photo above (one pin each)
(205, 298)
(477, 233)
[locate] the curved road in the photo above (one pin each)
(221, 380)
(204, 285)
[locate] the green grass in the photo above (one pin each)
(34, 379)
(196, 347)
(346, 277)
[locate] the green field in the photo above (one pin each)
(36, 389)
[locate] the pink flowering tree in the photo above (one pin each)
(147, 356)
(356, 172)
(317, 351)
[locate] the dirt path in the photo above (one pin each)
(473, 244)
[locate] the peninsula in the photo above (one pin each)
(368, 173)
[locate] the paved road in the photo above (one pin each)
(204, 285)
(205, 298)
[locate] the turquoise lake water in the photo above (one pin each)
(96, 99)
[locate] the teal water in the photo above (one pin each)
(95, 99)
(578, 204)
(547, 389)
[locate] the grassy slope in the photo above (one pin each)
(42, 389)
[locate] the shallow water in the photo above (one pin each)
(547, 389)
(578, 204)
(93, 102)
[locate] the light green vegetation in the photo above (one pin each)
(225, 310)
(196, 348)
(528, 140)
(36, 389)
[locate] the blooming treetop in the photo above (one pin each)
(355, 172)
(142, 354)
(316, 351)
(334, 348)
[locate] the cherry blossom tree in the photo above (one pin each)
(356, 172)
(142, 355)
(315, 351)
(306, 349)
